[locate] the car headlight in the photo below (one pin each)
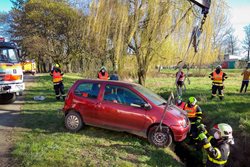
(183, 123)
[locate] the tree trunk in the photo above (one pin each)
(248, 52)
(142, 76)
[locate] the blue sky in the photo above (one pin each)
(239, 17)
(5, 5)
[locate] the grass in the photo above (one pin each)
(47, 143)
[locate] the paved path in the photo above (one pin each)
(9, 124)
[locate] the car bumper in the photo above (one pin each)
(180, 133)
(12, 88)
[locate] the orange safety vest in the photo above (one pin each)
(217, 77)
(191, 111)
(57, 77)
(181, 106)
(105, 77)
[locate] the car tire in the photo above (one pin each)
(7, 98)
(73, 121)
(160, 138)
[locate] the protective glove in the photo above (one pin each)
(201, 128)
(202, 136)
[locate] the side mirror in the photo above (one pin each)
(19, 52)
(147, 106)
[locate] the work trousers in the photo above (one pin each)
(244, 84)
(220, 90)
(59, 90)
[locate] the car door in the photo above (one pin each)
(121, 108)
(86, 101)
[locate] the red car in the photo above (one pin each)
(126, 107)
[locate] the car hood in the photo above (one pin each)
(175, 111)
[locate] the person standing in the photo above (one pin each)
(245, 82)
(180, 77)
(57, 78)
(218, 77)
(103, 74)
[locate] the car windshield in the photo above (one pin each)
(156, 99)
(8, 56)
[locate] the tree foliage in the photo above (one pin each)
(83, 35)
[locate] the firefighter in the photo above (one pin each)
(179, 103)
(103, 74)
(180, 77)
(57, 77)
(194, 114)
(218, 77)
(218, 145)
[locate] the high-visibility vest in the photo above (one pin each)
(191, 111)
(181, 106)
(217, 77)
(57, 77)
(104, 77)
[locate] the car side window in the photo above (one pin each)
(121, 95)
(89, 90)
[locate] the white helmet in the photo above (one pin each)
(223, 131)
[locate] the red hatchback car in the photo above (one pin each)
(123, 106)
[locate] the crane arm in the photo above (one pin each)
(204, 4)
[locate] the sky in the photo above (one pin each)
(239, 14)
(5, 5)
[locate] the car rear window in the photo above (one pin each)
(89, 90)
(121, 95)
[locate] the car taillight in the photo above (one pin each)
(10, 77)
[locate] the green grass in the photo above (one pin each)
(47, 143)
(234, 109)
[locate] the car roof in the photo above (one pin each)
(108, 82)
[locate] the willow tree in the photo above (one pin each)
(152, 24)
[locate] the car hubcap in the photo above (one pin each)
(73, 122)
(160, 138)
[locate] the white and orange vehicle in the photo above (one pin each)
(29, 66)
(11, 73)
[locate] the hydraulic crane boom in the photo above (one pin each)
(204, 4)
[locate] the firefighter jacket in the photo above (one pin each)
(104, 76)
(217, 152)
(194, 113)
(57, 75)
(218, 77)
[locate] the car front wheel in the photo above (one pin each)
(73, 121)
(160, 137)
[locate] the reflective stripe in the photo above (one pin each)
(218, 153)
(213, 94)
(207, 145)
(209, 138)
(217, 84)
(216, 161)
